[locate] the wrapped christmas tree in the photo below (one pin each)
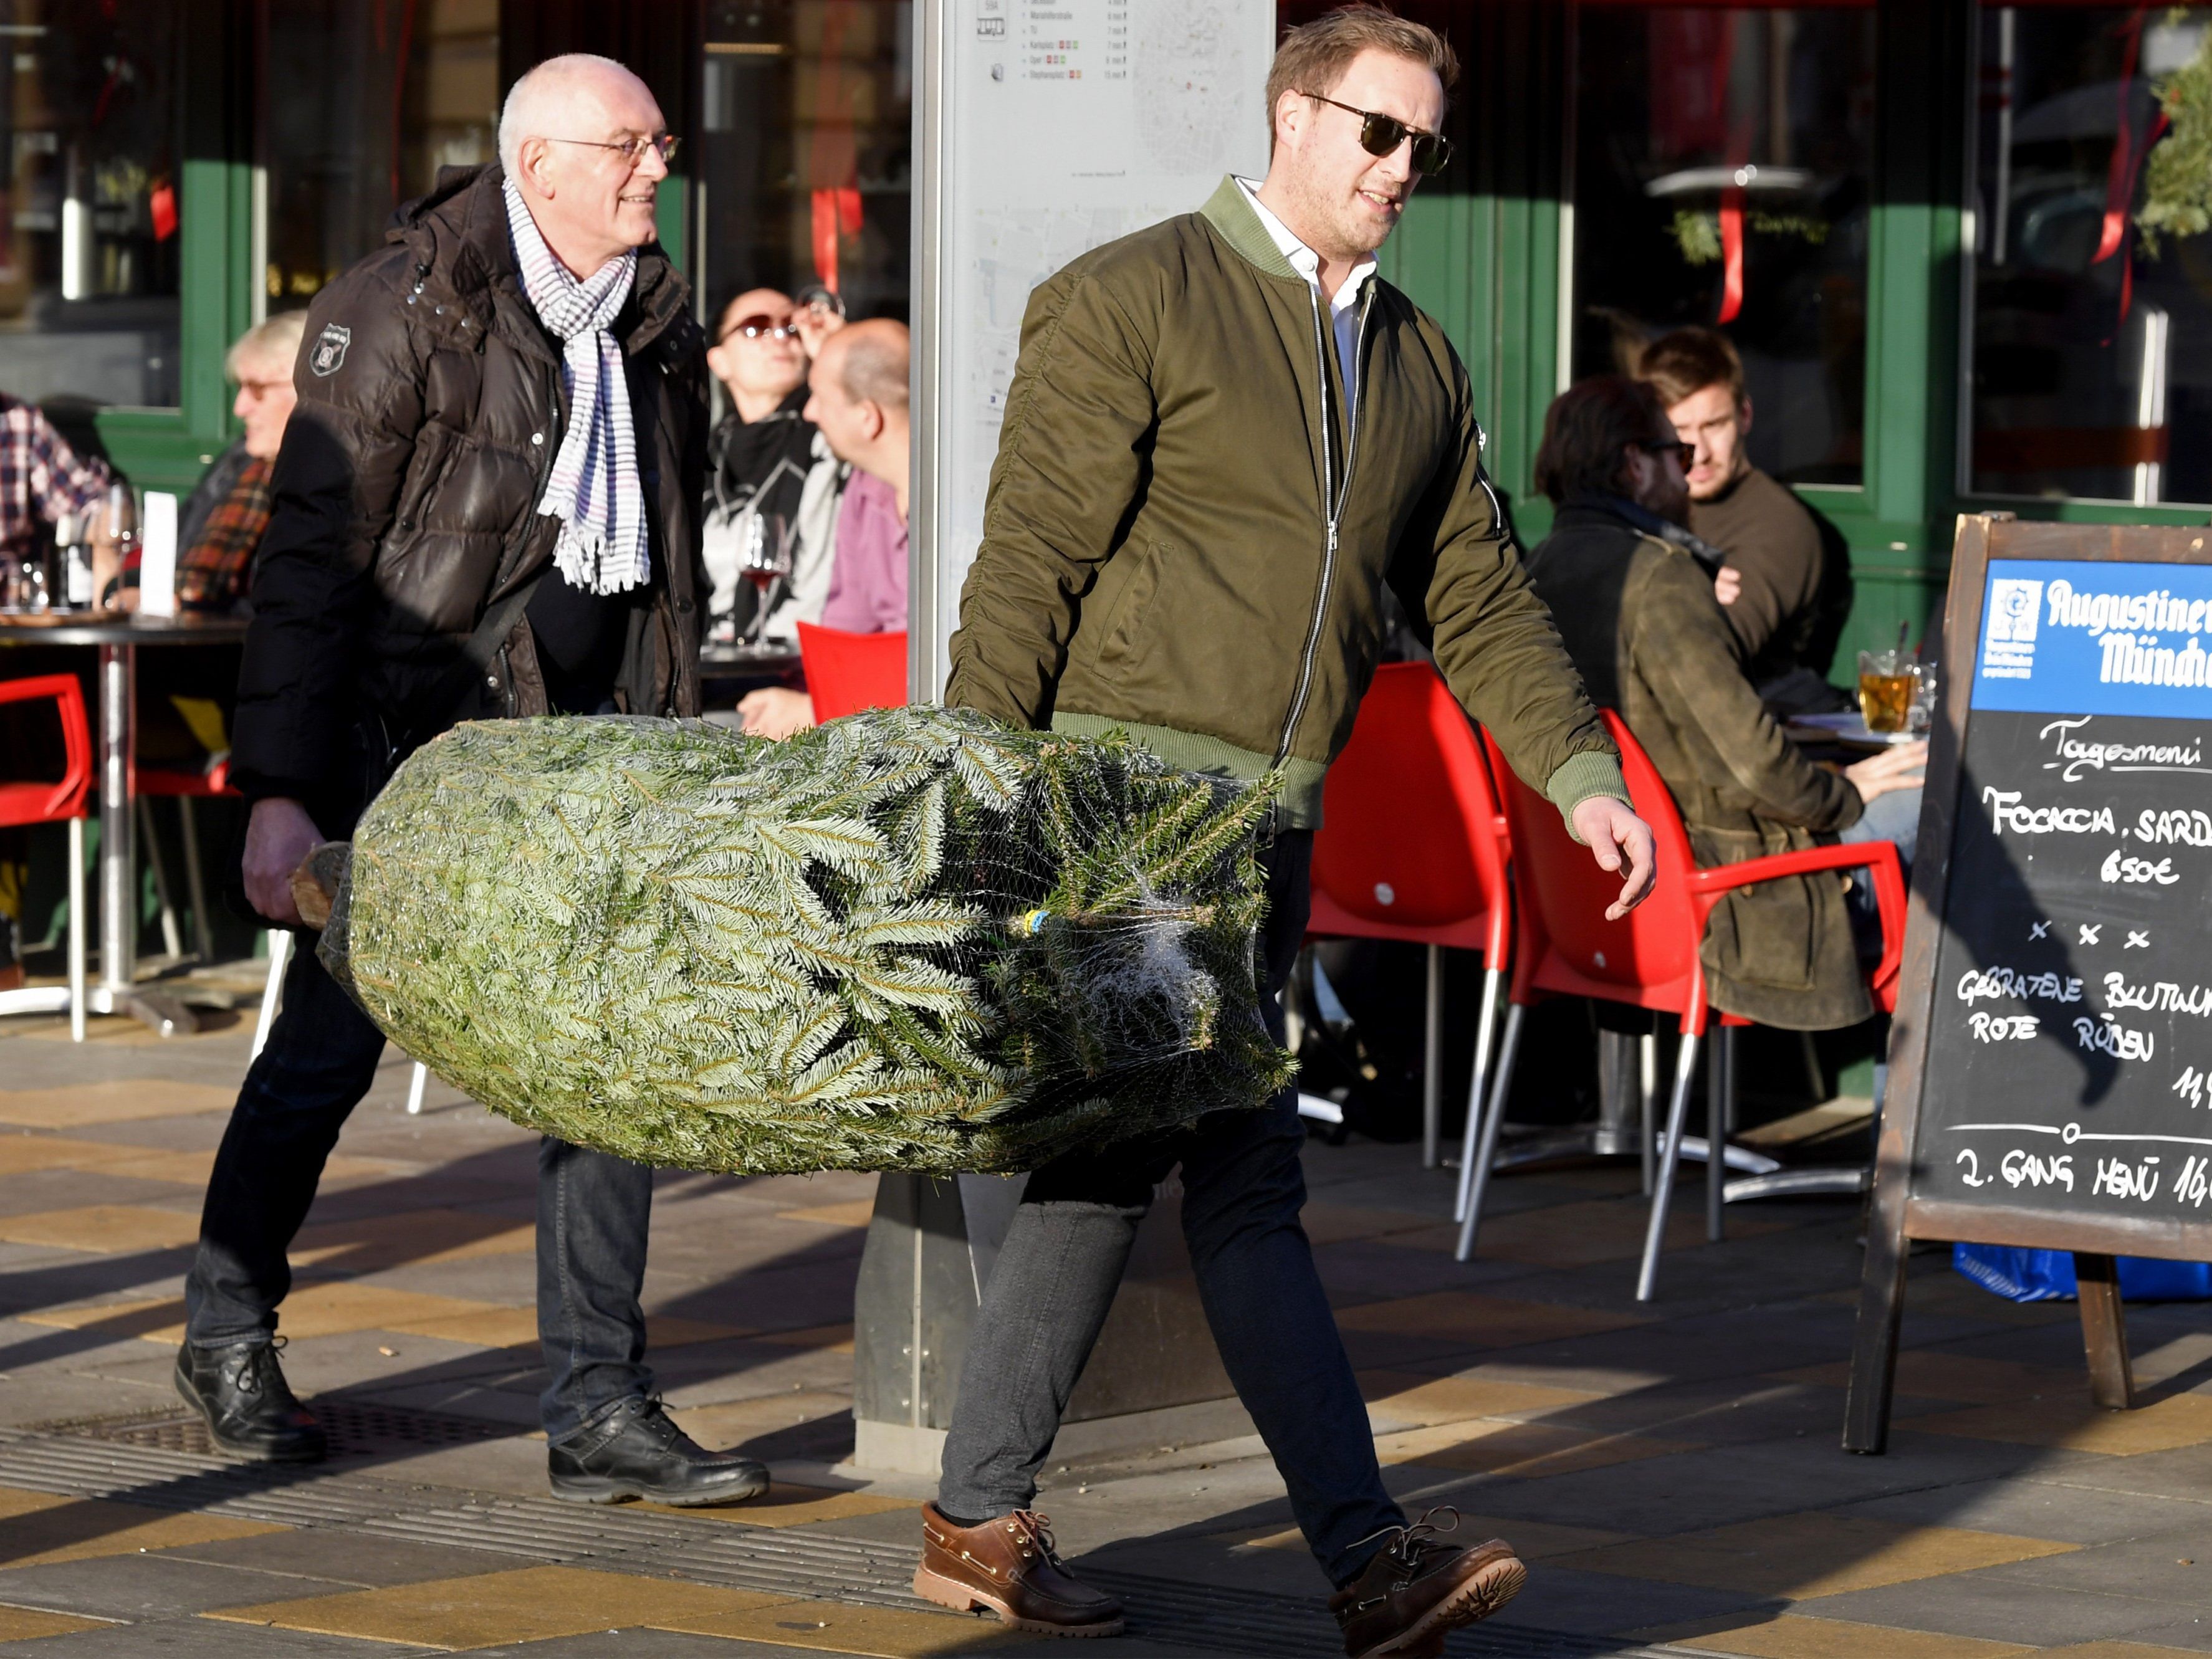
(910, 939)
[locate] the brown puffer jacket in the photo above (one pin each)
(406, 496)
(1639, 619)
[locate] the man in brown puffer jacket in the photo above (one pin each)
(485, 505)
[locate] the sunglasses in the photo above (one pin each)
(1684, 452)
(1381, 135)
(755, 326)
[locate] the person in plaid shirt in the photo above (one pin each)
(41, 478)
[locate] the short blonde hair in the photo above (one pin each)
(1313, 56)
(276, 341)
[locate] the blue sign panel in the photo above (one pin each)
(2083, 637)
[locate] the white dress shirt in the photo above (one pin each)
(1343, 305)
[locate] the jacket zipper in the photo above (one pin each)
(1333, 497)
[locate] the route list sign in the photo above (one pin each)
(2050, 1080)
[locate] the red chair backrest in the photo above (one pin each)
(1563, 943)
(847, 672)
(1411, 834)
(26, 802)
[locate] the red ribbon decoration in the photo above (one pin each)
(1731, 253)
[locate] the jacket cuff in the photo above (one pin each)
(1581, 776)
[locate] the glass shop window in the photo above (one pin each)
(2090, 339)
(363, 102)
(1721, 159)
(89, 224)
(804, 170)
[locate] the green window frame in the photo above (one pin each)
(1487, 254)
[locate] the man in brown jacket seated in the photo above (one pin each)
(1795, 591)
(1639, 618)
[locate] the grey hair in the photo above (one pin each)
(276, 341)
(529, 100)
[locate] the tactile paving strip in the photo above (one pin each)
(804, 1561)
(356, 1427)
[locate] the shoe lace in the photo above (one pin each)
(259, 1370)
(1038, 1526)
(1410, 1543)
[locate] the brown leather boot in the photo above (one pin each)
(1418, 1587)
(1009, 1566)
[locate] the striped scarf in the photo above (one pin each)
(592, 488)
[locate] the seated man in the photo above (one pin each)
(220, 525)
(860, 401)
(1641, 622)
(771, 475)
(1795, 596)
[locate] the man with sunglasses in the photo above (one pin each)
(771, 474)
(486, 505)
(1224, 435)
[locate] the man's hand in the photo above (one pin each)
(1619, 840)
(277, 837)
(1728, 584)
(774, 712)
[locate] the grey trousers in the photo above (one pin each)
(1062, 1263)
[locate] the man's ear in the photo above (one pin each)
(1743, 413)
(1290, 115)
(876, 418)
(533, 163)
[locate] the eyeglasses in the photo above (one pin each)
(1381, 135)
(1658, 446)
(264, 388)
(633, 150)
(755, 326)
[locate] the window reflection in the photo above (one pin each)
(2091, 357)
(1721, 163)
(361, 102)
(805, 149)
(89, 208)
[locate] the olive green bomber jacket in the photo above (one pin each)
(1185, 537)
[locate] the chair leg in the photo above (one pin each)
(415, 1085)
(172, 938)
(1485, 1039)
(1486, 1151)
(76, 930)
(1678, 1113)
(272, 993)
(1432, 1094)
(195, 883)
(1647, 1055)
(1720, 1113)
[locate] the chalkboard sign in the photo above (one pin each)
(2050, 1061)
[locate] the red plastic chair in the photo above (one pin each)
(183, 785)
(62, 802)
(1413, 847)
(1564, 947)
(847, 672)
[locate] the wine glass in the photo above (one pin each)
(764, 559)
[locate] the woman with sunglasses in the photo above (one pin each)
(1633, 591)
(774, 482)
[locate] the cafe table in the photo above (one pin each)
(117, 639)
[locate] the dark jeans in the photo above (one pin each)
(592, 1209)
(1062, 1260)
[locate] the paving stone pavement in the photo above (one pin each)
(1671, 1472)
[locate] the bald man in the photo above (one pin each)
(859, 387)
(485, 505)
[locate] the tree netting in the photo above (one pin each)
(910, 939)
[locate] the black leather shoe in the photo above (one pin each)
(636, 1451)
(249, 1407)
